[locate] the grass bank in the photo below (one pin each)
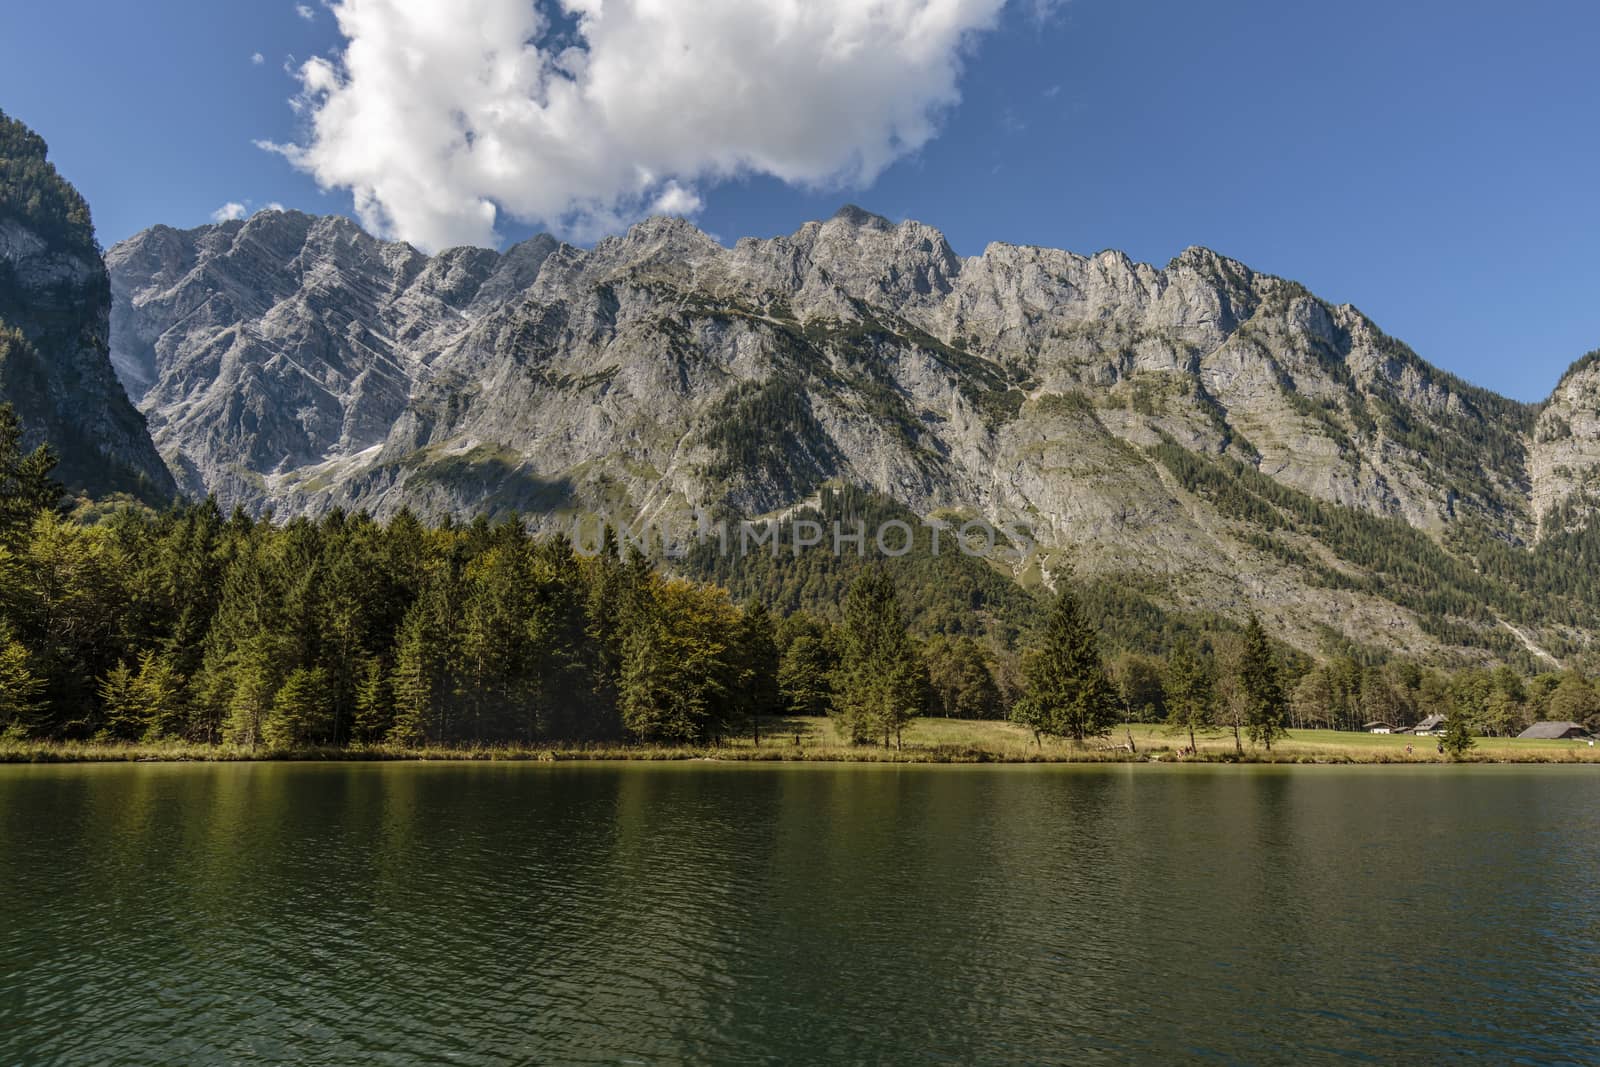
(815, 740)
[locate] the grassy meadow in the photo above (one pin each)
(928, 740)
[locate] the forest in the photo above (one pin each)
(122, 622)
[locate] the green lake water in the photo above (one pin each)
(635, 913)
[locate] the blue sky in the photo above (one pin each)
(1433, 163)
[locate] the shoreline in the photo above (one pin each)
(777, 751)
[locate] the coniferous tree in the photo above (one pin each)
(1067, 693)
(1190, 691)
(757, 687)
(569, 699)
(253, 675)
(124, 712)
(374, 702)
(20, 689)
(66, 607)
(302, 711)
(421, 677)
(1457, 738)
(808, 658)
(147, 703)
(1265, 706)
(495, 641)
(805, 676)
(881, 681)
(26, 483)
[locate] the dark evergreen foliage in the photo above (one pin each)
(33, 193)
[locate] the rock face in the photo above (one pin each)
(297, 364)
(1566, 451)
(55, 304)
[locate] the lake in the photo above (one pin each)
(639, 913)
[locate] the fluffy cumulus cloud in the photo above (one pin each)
(591, 113)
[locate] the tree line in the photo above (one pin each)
(124, 623)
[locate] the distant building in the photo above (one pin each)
(1379, 727)
(1433, 724)
(1555, 731)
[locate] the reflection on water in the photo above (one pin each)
(482, 914)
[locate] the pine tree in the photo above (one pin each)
(1191, 692)
(1066, 691)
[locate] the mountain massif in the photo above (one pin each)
(1216, 438)
(55, 306)
(1205, 439)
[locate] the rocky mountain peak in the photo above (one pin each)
(55, 303)
(851, 215)
(1566, 460)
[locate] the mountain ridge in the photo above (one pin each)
(297, 364)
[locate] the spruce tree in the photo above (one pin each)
(1265, 705)
(1457, 738)
(253, 676)
(758, 667)
(1191, 692)
(20, 689)
(881, 681)
(119, 699)
(374, 702)
(302, 712)
(1066, 691)
(805, 676)
(26, 484)
(420, 680)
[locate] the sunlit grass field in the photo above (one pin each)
(924, 741)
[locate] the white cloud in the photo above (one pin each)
(440, 117)
(305, 11)
(258, 59)
(675, 199)
(233, 210)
